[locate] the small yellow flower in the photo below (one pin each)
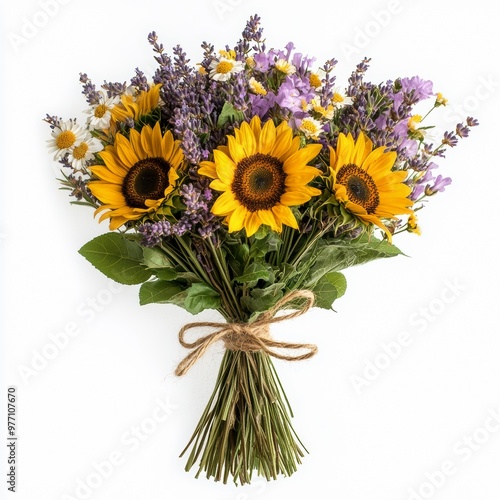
(315, 80)
(250, 62)
(441, 100)
(285, 67)
(228, 54)
(413, 122)
(256, 87)
(413, 226)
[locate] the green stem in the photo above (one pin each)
(246, 425)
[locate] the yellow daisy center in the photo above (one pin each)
(337, 97)
(146, 180)
(100, 110)
(259, 182)
(360, 186)
(224, 67)
(80, 151)
(309, 126)
(65, 139)
(314, 80)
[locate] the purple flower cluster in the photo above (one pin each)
(196, 217)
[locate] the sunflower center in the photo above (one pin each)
(100, 111)
(80, 151)
(65, 139)
(361, 188)
(146, 180)
(259, 182)
(224, 67)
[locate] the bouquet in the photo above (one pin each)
(245, 184)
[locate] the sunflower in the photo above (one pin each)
(134, 107)
(138, 173)
(364, 182)
(262, 172)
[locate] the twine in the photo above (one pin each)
(248, 337)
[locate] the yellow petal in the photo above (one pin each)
(225, 167)
(252, 223)
(107, 193)
(285, 215)
(267, 138)
(296, 162)
(225, 204)
(236, 220)
(269, 219)
(135, 140)
(236, 150)
(167, 145)
(105, 174)
(125, 152)
(248, 139)
(207, 168)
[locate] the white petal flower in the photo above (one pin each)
(64, 137)
(222, 69)
(339, 99)
(83, 152)
(100, 114)
(311, 127)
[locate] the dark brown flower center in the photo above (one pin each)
(146, 180)
(259, 182)
(360, 186)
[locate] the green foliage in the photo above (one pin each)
(117, 257)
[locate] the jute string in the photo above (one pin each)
(249, 337)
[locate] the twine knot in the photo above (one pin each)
(249, 337)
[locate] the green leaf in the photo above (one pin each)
(161, 292)
(155, 258)
(328, 289)
(229, 114)
(254, 272)
(201, 296)
(167, 274)
(339, 256)
(117, 257)
(262, 299)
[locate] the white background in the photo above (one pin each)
(432, 403)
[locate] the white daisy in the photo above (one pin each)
(339, 99)
(222, 69)
(326, 113)
(100, 114)
(311, 127)
(83, 151)
(285, 67)
(64, 137)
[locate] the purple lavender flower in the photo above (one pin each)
(439, 185)
(416, 87)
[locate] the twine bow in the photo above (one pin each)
(248, 337)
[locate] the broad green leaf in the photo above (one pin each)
(166, 274)
(162, 292)
(255, 272)
(229, 114)
(201, 296)
(262, 299)
(328, 289)
(117, 257)
(155, 258)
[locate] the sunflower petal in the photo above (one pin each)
(225, 167)
(207, 168)
(225, 204)
(285, 215)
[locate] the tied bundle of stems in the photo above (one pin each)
(246, 425)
